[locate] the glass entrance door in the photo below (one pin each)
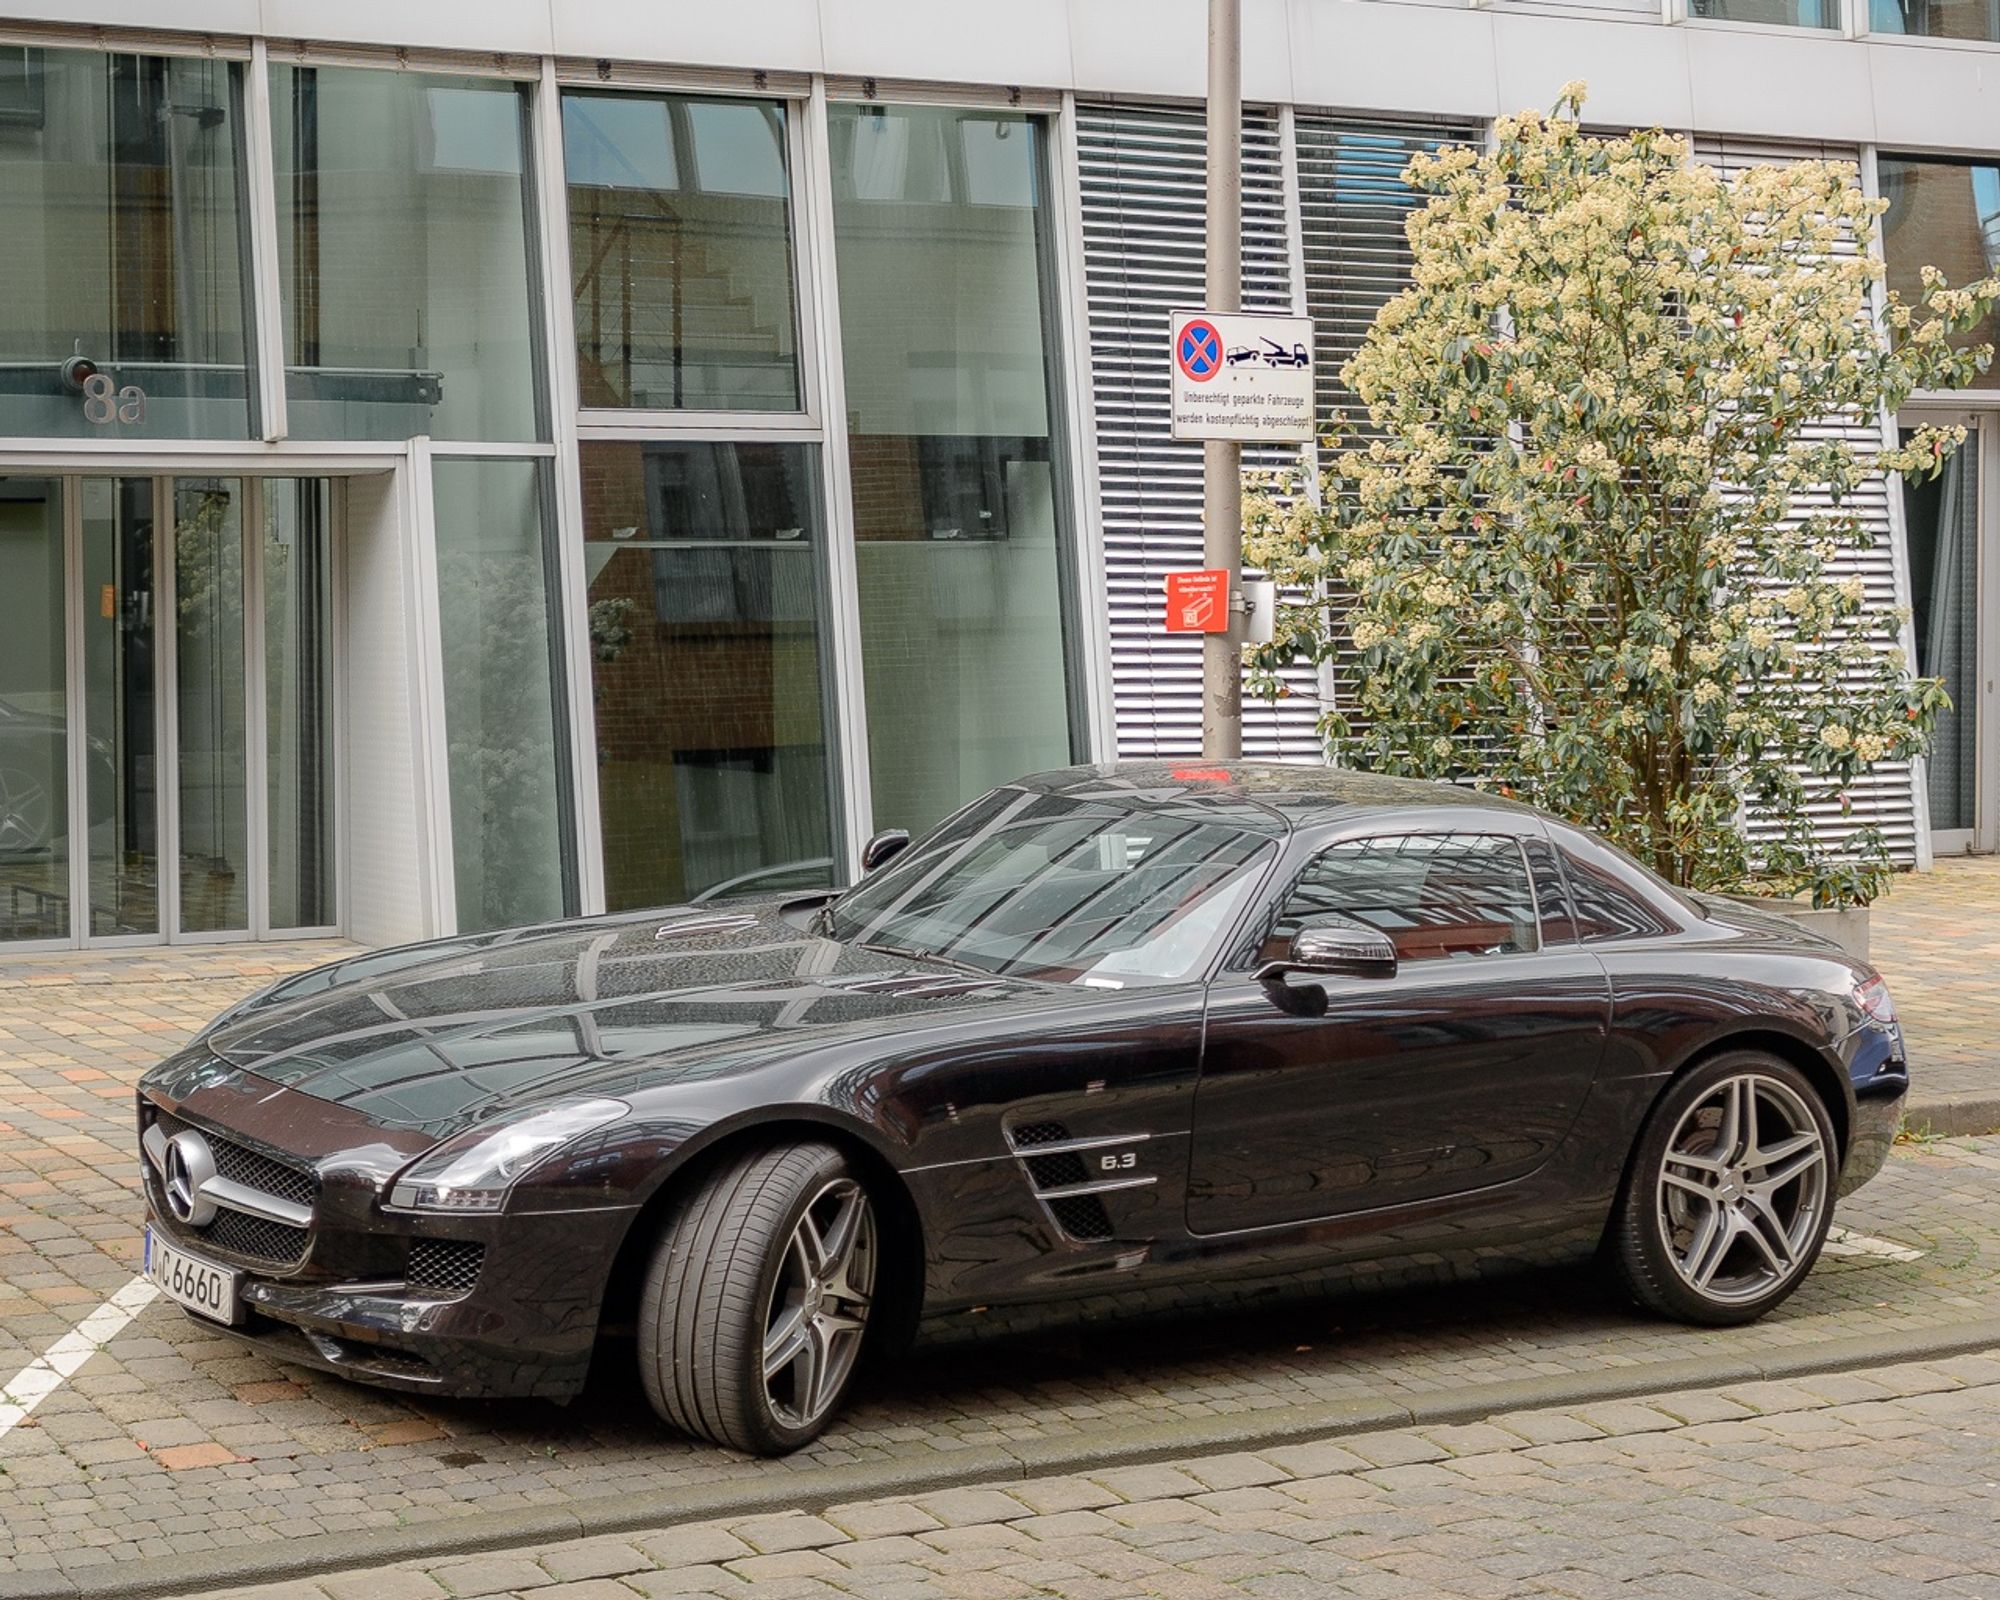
(166, 708)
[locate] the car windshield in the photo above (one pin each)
(1063, 889)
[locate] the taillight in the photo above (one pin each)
(1872, 995)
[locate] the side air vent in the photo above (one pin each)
(1061, 1173)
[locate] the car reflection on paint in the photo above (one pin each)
(1107, 1030)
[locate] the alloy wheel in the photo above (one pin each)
(1742, 1188)
(819, 1305)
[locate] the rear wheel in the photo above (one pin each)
(758, 1299)
(1730, 1192)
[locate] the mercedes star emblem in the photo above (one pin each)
(190, 1164)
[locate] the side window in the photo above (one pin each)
(1437, 896)
(1606, 907)
(1551, 894)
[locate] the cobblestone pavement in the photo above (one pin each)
(171, 1444)
(1863, 1484)
(1936, 937)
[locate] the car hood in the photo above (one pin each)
(440, 1037)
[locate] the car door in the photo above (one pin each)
(1463, 1069)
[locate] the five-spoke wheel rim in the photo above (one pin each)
(1743, 1188)
(819, 1305)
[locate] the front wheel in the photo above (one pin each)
(758, 1299)
(1730, 1191)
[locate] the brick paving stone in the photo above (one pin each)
(594, 1558)
(775, 1535)
(493, 1575)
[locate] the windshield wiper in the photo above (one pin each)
(905, 953)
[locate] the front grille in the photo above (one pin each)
(256, 1238)
(445, 1267)
(240, 1164)
(237, 1233)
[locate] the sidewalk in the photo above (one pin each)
(1936, 938)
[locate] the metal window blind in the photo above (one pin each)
(1353, 205)
(1143, 189)
(1886, 797)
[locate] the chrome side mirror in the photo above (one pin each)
(1347, 949)
(886, 845)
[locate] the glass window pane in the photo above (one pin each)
(1936, 19)
(34, 725)
(298, 698)
(209, 726)
(1942, 516)
(707, 594)
(120, 710)
(1777, 13)
(123, 244)
(1943, 214)
(403, 207)
(509, 808)
(1435, 896)
(680, 241)
(941, 233)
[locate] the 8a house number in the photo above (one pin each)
(104, 403)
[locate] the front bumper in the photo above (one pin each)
(526, 1327)
(499, 1305)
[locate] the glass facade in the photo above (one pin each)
(706, 564)
(681, 250)
(510, 822)
(1775, 13)
(1936, 19)
(121, 718)
(298, 576)
(404, 211)
(212, 746)
(1943, 214)
(962, 528)
(122, 289)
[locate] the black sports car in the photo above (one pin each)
(1110, 1029)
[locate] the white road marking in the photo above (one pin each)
(41, 1378)
(1846, 1242)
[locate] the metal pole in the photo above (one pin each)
(1222, 459)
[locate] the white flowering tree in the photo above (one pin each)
(1585, 545)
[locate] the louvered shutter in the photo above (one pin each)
(1142, 176)
(1353, 205)
(1885, 797)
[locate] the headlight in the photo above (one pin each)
(474, 1171)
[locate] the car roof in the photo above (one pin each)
(1287, 797)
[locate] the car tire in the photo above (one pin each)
(773, 1252)
(1729, 1192)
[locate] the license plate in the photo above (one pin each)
(201, 1286)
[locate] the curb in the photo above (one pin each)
(1955, 1116)
(814, 1489)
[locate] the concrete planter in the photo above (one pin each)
(1846, 927)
